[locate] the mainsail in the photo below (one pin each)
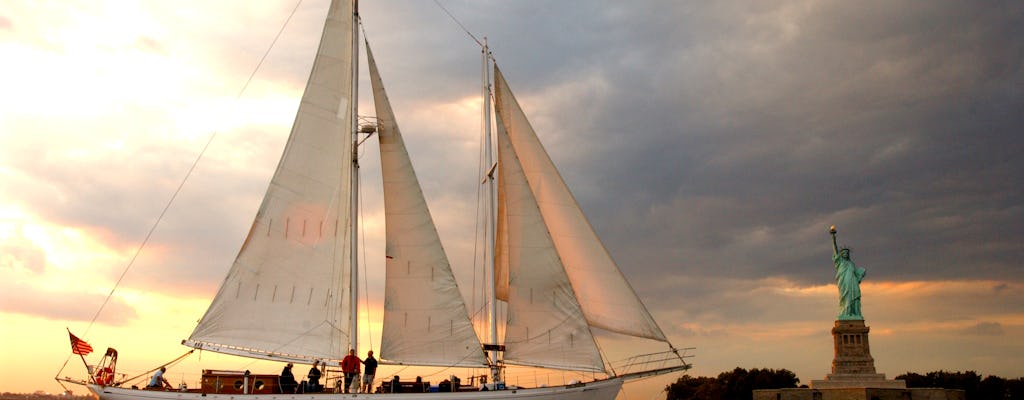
(425, 317)
(285, 297)
(604, 296)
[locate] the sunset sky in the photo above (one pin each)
(710, 143)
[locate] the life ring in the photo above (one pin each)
(104, 376)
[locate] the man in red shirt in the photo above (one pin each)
(350, 367)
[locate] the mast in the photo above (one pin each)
(353, 337)
(490, 228)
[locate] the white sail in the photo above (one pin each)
(290, 293)
(425, 318)
(607, 299)
(285, 296)
(546, 327)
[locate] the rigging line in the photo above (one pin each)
(57, 375)
(177, 191)
(172, 362)
(480, 249)
(604, 357)
(362, 226)
(476, 240)
(483, 222)
(359, 20)
(477, 261)
(188, 174)
(478, 42)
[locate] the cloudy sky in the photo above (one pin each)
(711, 145)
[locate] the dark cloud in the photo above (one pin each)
(722, 139)
(985, 329)
(725, 142)
(707, 140)
(713, 144)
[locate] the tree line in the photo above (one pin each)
(739, 384)
(974, 387)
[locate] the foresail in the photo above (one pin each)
(425, 318)
(546, 327)
(607, 299)
(283, 297)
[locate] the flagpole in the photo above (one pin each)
(91, 378)
(80, 355)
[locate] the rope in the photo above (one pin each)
(188, 174)
(181, 185)
(363, 227)
(478, 42)
(174, 361)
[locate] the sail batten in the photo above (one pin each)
(310, 188)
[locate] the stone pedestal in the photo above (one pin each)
(852, 364)
(852, 350)
(854, 377)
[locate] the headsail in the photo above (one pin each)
(607, 299)
(545, 327)
(425, 317)
(285, 296)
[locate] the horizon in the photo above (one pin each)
(710, 145)
(677, 377)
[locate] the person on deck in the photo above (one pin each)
(158, 380)
(371, 369)
(314, 378)
(350, 366)
(288, 382)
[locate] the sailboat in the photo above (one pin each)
(297, 267)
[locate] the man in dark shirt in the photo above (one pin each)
(288, 380)
(314, 377)
(371, 369)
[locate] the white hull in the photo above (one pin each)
(597, 390)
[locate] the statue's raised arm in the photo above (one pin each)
(848, 277)
(835, 246)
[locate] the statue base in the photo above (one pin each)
(854, 377)
(853, 366)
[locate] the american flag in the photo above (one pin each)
(79, 346)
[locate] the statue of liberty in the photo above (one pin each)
(848, 277)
